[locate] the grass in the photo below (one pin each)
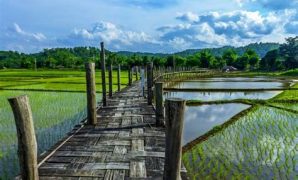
(55, 110)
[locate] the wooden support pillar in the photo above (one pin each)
(149, 82)
(119, 77)
(174, 108)
(129, 76)
(27, 146)
(136, 70)
(103, 74)
(91, 93)
(110, 80)
(159, 113)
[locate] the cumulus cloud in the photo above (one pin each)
(16, 38)
(231, 28)
(188, 16)
(114, 36)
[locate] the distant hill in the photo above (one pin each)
(129, 53)
(260, 48)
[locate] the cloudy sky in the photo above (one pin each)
(144, 25)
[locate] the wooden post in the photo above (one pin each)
(110, 80)
(27, 146)
(129, 76)
(149, 82)
(119, 77)
(174, 127)
(159, 104)
(136, 70)
(103, 74)
(91, 93)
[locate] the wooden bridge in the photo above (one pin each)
(124, 143)
(124, 137)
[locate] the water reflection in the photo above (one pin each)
(212, 96)
(200, 119)
(230, 85)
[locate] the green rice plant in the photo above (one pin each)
(259, 145)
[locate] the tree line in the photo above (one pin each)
(282, 57)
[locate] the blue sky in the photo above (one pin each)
(144, 25)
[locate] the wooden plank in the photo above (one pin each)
(137, 169)
(114, 175)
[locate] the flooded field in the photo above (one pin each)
(201, 119)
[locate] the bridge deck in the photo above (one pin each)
(124, 144)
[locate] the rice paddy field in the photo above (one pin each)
(58, 103)
(241, 135)
(227, 135)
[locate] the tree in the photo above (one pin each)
(230, 56)
(206, 59)
(289, 51)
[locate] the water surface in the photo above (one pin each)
(230, 85)
(200, 119)
(212, 96)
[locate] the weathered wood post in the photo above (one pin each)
(174, 108)
(119, 77)
(110, 80)
(103, 74)
(27, 146)
(91, 93)
(159, 113)
(129, 76)
(136, 70)
(149, 82)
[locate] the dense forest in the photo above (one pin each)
(257, 56)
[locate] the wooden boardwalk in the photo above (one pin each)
(124, 144)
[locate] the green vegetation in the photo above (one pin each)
(260, 145)
(55, 112)
(279, 57)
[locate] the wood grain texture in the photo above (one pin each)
(91, 93)
(27, 146)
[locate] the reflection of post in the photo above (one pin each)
(174, 127)
(27, 146)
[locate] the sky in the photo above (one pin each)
(144, 25)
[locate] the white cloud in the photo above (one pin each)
(188, 16)
(32, 36)
(114, 36)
